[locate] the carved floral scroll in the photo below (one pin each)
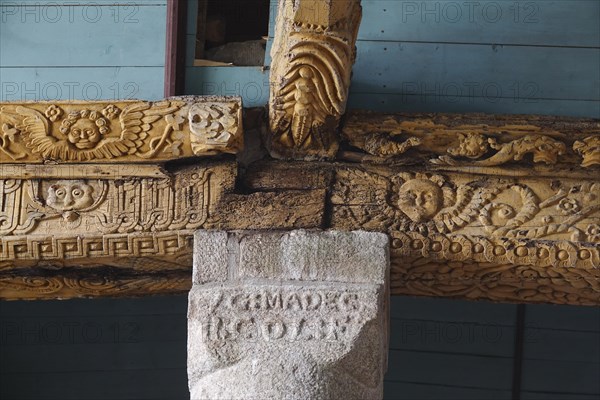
(474, 140)
(459, 235)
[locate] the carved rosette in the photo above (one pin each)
(131, 131)
(313, 53)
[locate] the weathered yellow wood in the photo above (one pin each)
(130, 131)
(313, 53)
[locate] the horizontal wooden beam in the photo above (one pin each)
(520, 231)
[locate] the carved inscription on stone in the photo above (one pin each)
(134, 131)
(287, 336)
(282, 313)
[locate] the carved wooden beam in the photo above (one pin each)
(122, 131)
(548, 144)
(511, 218)
(313, 53)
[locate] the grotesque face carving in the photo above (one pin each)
(66, 196)
(420, 199)
(84, 134)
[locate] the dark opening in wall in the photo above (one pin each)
(232, 32)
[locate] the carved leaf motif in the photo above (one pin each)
(543, 148)
(589, 149)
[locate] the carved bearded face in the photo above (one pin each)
(420, 199)
(84, 134)
(70, 196)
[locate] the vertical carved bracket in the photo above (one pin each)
(313, 53)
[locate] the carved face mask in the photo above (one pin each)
(420, 199)
(84, 134)
(70, 196)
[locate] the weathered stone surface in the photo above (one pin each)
(301, 315)
(132, 131)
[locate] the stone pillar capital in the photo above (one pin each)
(288, 315)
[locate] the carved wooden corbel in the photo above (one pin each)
(313, 53)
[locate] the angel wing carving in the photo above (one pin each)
(86, 134)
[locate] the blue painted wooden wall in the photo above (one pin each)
(506, 56)
(91, 50)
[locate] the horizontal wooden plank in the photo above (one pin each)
(149, 384)
(546, 23)
(531, 23)
(480, 339)
(89, 357)
(251, 83)
(561, 317)
(560, 377)
(60, 333)
(418, 391)
(97, 308)
(545, 344)
(433, 309)
(557, 396)
(94, 83)
(491, 105)
(491, 71)
(89, 35)
(448, 369)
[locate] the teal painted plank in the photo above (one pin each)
(477, 338)
(560, 345)
(94, 83)
(149, 384)
(117, 35)
(557, 396)
(562, 317)
(449, 369)
(101, 307)
(450, 104)
(251, 83)
(560, 377)
(475, 70)
(455, 311)
(541, 22)
(416, 391)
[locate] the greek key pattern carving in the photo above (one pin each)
(128, 130)
(39, 248)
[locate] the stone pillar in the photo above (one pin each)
(288, 315)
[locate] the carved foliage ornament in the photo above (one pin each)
(312, 55)
(132, 131)
(474, 140)
(497, 208)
